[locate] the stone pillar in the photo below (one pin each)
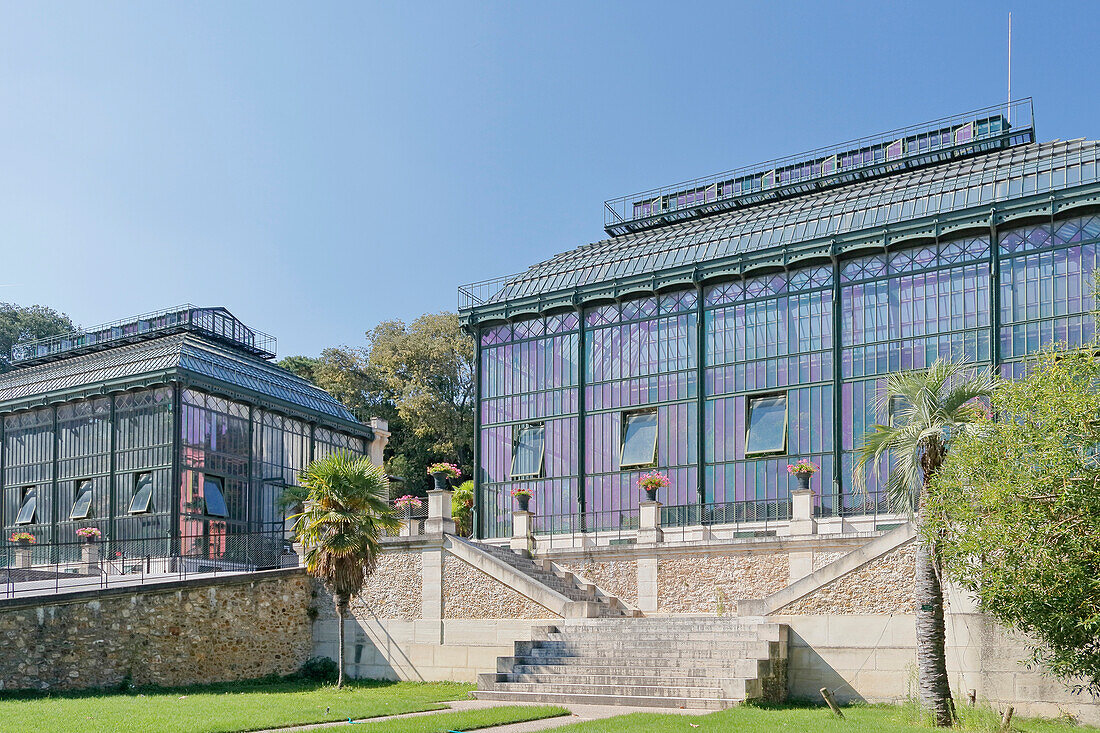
(23, 556)
(802, 512)
(803, 524)
(381, 430)
(649, 523)
(408, 525)
(89, 557)
(430, 629)
(439, 513)
(523, 531)
(647, 584)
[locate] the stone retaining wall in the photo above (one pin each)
(700, 583)
(882, 586)
(469, 593)
(189, 632)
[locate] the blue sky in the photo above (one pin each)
(320, 167)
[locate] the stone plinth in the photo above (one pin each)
(89, 558)
(802, 512)
(523, 531)
(23, 556)
(649, 522)
(439, 519)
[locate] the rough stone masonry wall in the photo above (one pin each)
(693, 584)
(617, 577)
(469, 593)
(882, 586)
(393, 590)
(178, 634)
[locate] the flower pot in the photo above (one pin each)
(89, 540)
(23, 543)
(651, 494)
(440, 480)
(804, 479)
(524, 501)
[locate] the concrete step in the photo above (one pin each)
(655, 689)
(660, 649)
(623, 680)
(671, 670)
(558, 698)
(642, 637)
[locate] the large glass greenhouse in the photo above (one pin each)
(172, 434)
(732, 325)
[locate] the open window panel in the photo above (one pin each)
(639, 439)
(28, 506)
(528, 450)
(213, 495)
(82, 504)
(142, 502)
(767, 425)
(897, 408)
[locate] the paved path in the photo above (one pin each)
(580, 714)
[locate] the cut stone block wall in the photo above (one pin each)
(189, 632)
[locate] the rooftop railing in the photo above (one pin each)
(907, 147)
(215, 323)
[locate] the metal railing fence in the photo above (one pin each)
(46, 568)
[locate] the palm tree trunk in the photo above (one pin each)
(932, 679)
(341, 610)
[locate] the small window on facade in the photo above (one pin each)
(767, 425)
(528, 450)
(142, 502)
(82, 505)
(639, 444)
(214, 497)
(897, 407)
(28, 507)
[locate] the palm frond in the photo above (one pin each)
(938, 402)
(345, 513)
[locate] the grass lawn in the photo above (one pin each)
(222, 708)
(858, 719)
(462, 721)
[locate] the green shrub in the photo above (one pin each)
(318, 669)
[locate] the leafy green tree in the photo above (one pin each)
(462, 507)
(939, 405)
(345, 512)
(302, 366)
(19, 323)
(1016, 513)
(428, 366)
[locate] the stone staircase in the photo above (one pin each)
(679, 662)
(590, 600)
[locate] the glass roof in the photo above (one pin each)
(179, 352)
(1017, 172)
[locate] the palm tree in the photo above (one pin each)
(937, 403)
(345, 511)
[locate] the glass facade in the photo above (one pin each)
(109, 462)
(783, 366)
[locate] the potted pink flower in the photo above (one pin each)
(652, 481)
(442, 472)
(802, 470)
(523, 498)
(89, 534)
(406, 504)
(23, 539)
